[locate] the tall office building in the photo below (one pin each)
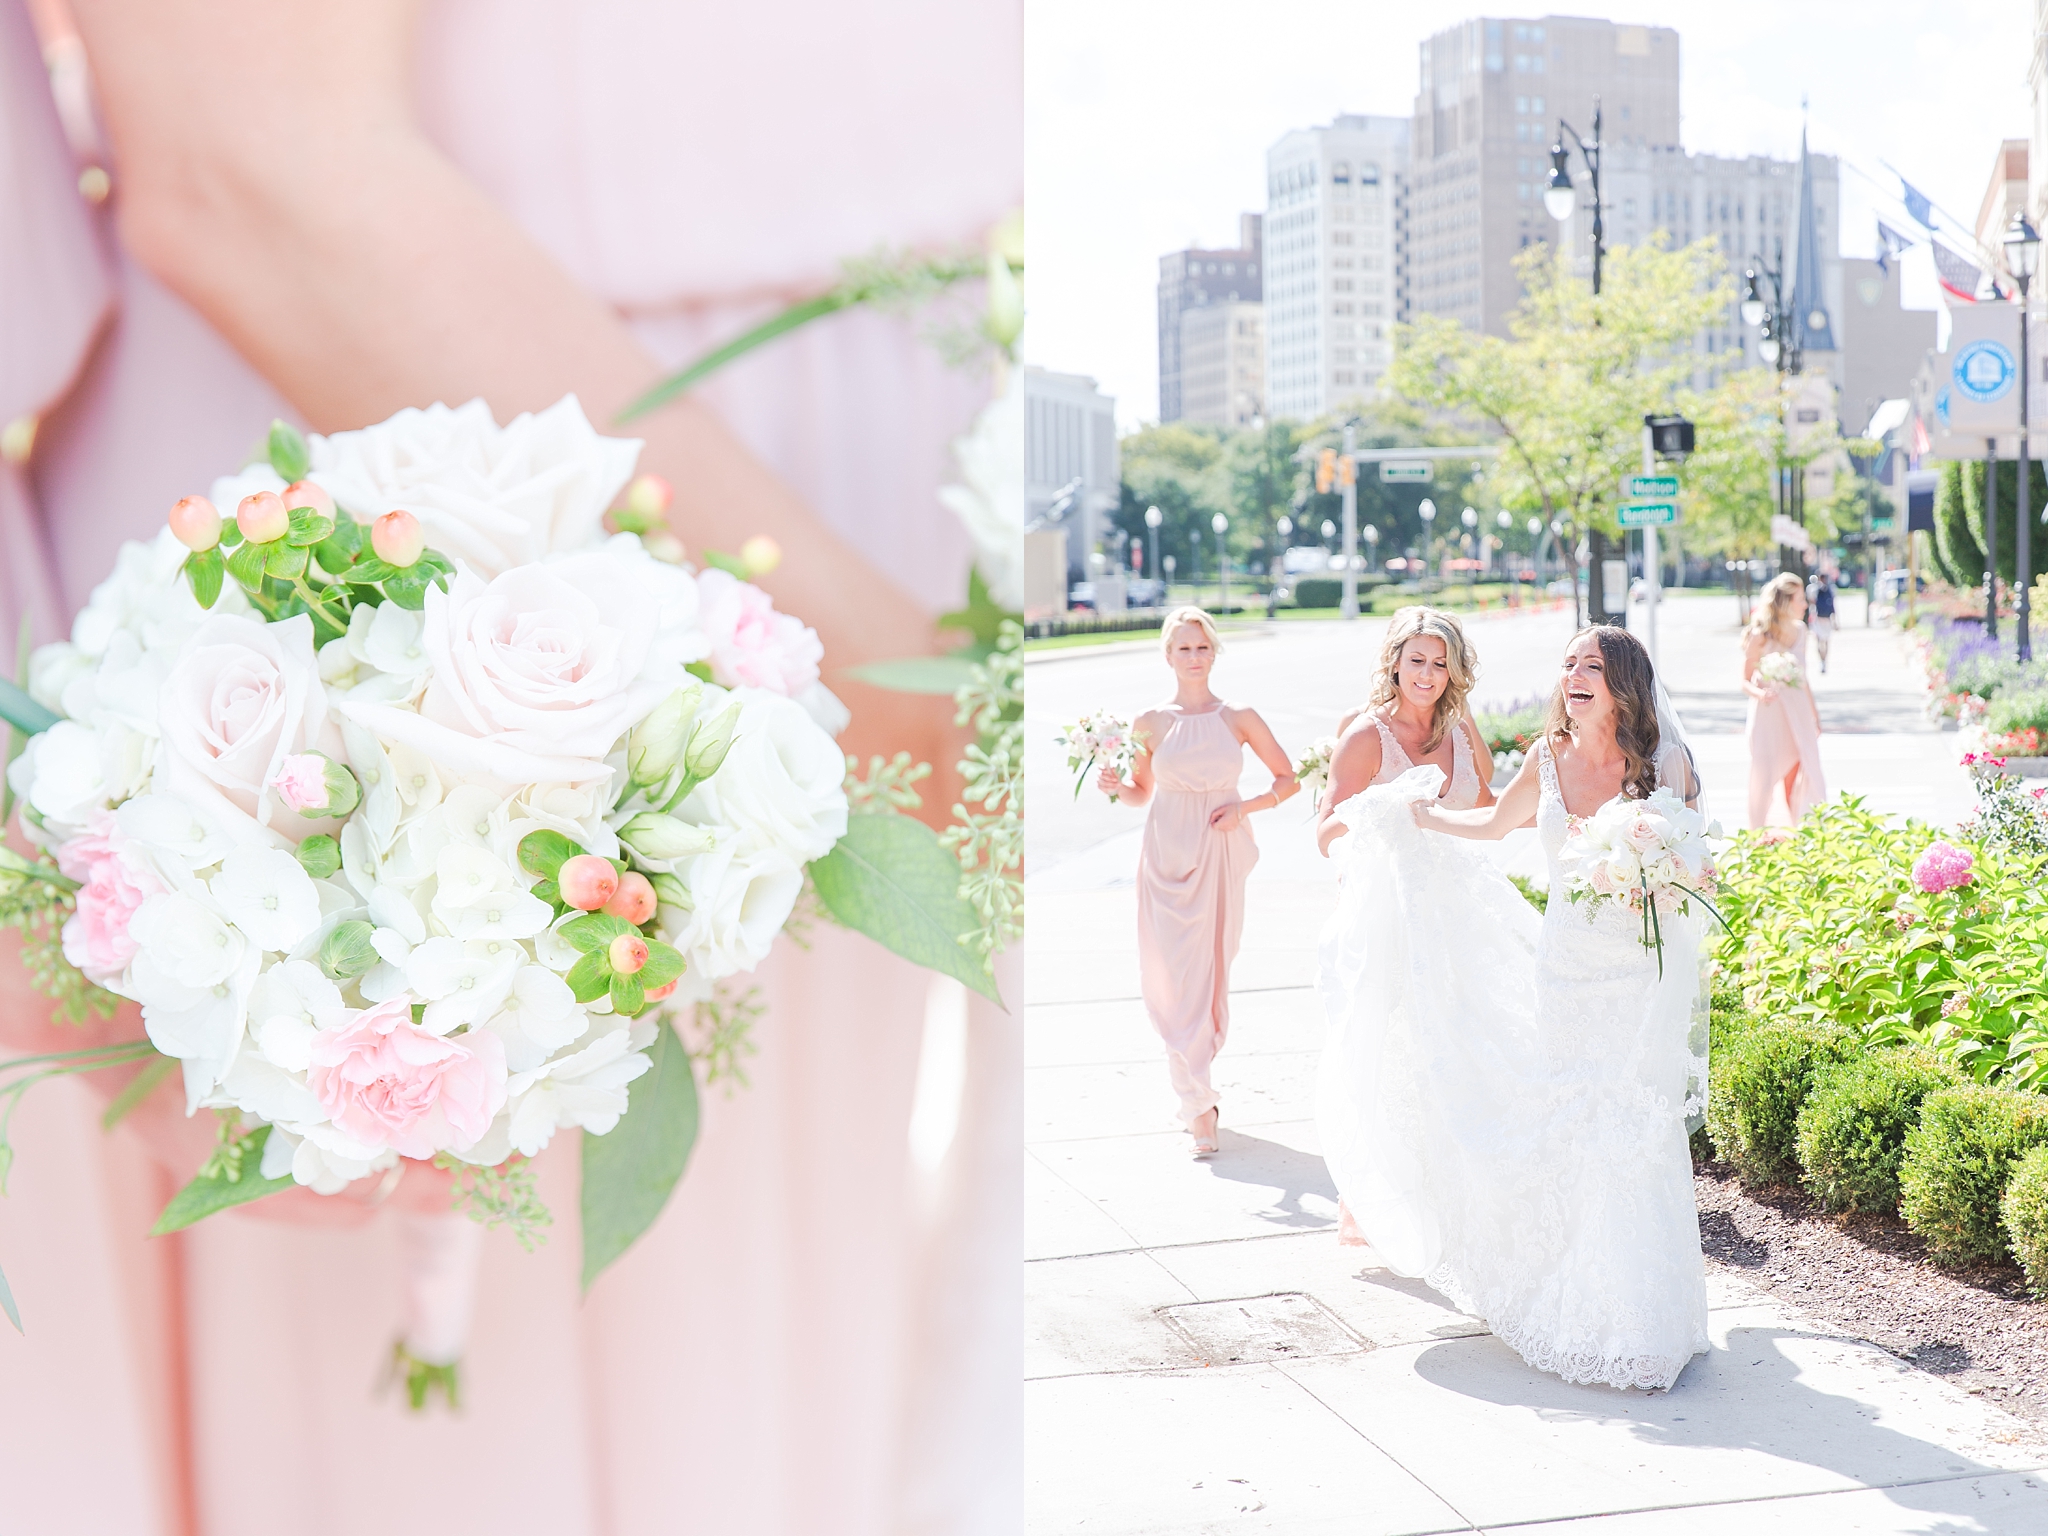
(1223, 365)
(1336, 274)
(1492, 92)
(1072, 467)
(1194, 279)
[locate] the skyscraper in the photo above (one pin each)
(1492, 92)
(1223, 364)
(1192, 279)
(1336, 277)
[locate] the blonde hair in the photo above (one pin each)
(1463, 665)
(1632, 684)
(1768, 616)
(1188, 614)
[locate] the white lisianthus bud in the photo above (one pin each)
(711, 740)
(653, 835)
(657, 742)
(670, 891)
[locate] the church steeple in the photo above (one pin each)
(1809, 302)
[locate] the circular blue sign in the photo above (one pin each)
(1984, 371)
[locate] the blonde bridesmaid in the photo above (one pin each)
(1198, 851)
(1784, 717)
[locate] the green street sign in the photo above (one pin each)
(1395, 470)
(1649, 485)
(1648, 514)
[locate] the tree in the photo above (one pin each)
(1180, 470)
(1725, 494)
(1567, 390)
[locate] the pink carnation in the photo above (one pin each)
(385, 1082)
(751, 644)
(301, 781)
(112, 882)
(1943, 867)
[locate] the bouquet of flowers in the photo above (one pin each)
(409, 804)
(1101, 739)
(1781, 669)
(1312, 768)
(1654, 856)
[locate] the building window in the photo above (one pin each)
(1521, 64)
(1536, 102)
(1521, 103)
(1536, 64)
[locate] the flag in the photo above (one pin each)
(1918, 205)
(1959, 277)
(1889, 244)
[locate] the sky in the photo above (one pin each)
(1147, 123)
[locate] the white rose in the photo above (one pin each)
(680, 637)
(783, 783)
(495, 497)
(147, 597)
(244, 696)
(536, 675)
(991, 503)
(740, 896)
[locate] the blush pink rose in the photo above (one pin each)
(113, 881)
(386, 1082)
(1642, 834)
(751, 644)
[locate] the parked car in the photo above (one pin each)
(1082, 596)
(1144, 592)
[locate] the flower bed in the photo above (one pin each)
(1509, 730)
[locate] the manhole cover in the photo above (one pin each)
(1289, 1326)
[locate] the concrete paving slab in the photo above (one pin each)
(1059, 1220)
(2007, 1504)
(1109, 1031)
(1238, 1450)
(1103, 1313)
(1126, 1098)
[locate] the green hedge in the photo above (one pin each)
(1319, 592)
(2025, 1211)
(2010, 712)
(1758, 1081)
(1958, 1159)
(1852, 1129)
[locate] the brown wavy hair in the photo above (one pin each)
(1463, 667)
(1768, 617)
(1633, 683)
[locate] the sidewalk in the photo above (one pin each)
(1203, 1357)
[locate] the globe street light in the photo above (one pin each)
(1219, 522)
(1560, 198)
(1153, 518)
(1329, 529)
(2022, 255)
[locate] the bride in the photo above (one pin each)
(1503, 1098)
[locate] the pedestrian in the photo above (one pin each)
(1197, 854)
(1784, 718)
(1821, 598)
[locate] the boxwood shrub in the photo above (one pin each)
(1852, 1129)
(1958, 1159)
(2025, 1210)
(1761, 1075)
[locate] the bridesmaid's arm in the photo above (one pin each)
(1256, 734)
(1355, 764)
(270, 172)
(1137, 789)
(1482, 759)
(1760, 689)
(1515, 808)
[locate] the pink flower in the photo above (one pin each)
(113, 882)
(1641, 834)
(386, 1082)
(301, 782)
(752, 644)
(1943, 867)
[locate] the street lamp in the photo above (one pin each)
(1168, 568)
(1470, 518)
(1219, 522)
(1427, 512)
(1329, 529)
(1560, 199)
(1778, 346)
(2022, 255)
(1153, 518)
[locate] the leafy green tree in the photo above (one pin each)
(1180, 470)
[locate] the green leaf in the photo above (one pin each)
(7, 1304)
(543, 853)
(230, 532)
(664, 965)
(284, 561)
(628, 996)
(245, 564)
(629, 1172)
(918, 674)
(140, 1086)
(23, 712)
(701, 670)
(339, 549)
(590, 977)
(308, 527)
(203, 1196)
(891, 879)
(593, 931)
(548, 892)
(408, 588)
(204, 568)
(286, 451)
(980, 618)
(731, 565)
(370, 569)
(711, 362)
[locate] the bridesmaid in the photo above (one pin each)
(1784, 721)
(1198, 851)
(1415, 717)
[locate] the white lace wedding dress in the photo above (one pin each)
(1503, 1098)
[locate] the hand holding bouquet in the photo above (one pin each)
(1312, 768)
(1099, 739)
(1654, 856)
(1781, 670)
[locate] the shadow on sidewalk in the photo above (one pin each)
(1746, 1396)
(1269, 1165)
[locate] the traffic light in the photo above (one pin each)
(1347, 471)
(1670, 436)
(1326, 471)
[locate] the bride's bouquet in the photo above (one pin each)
(1781, 668)
(1654, 856)
(1100, 739)
(406, 801)
(1312, 768)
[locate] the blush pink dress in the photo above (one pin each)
(820, 1334)
(1783, 739)
(1191, 899)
